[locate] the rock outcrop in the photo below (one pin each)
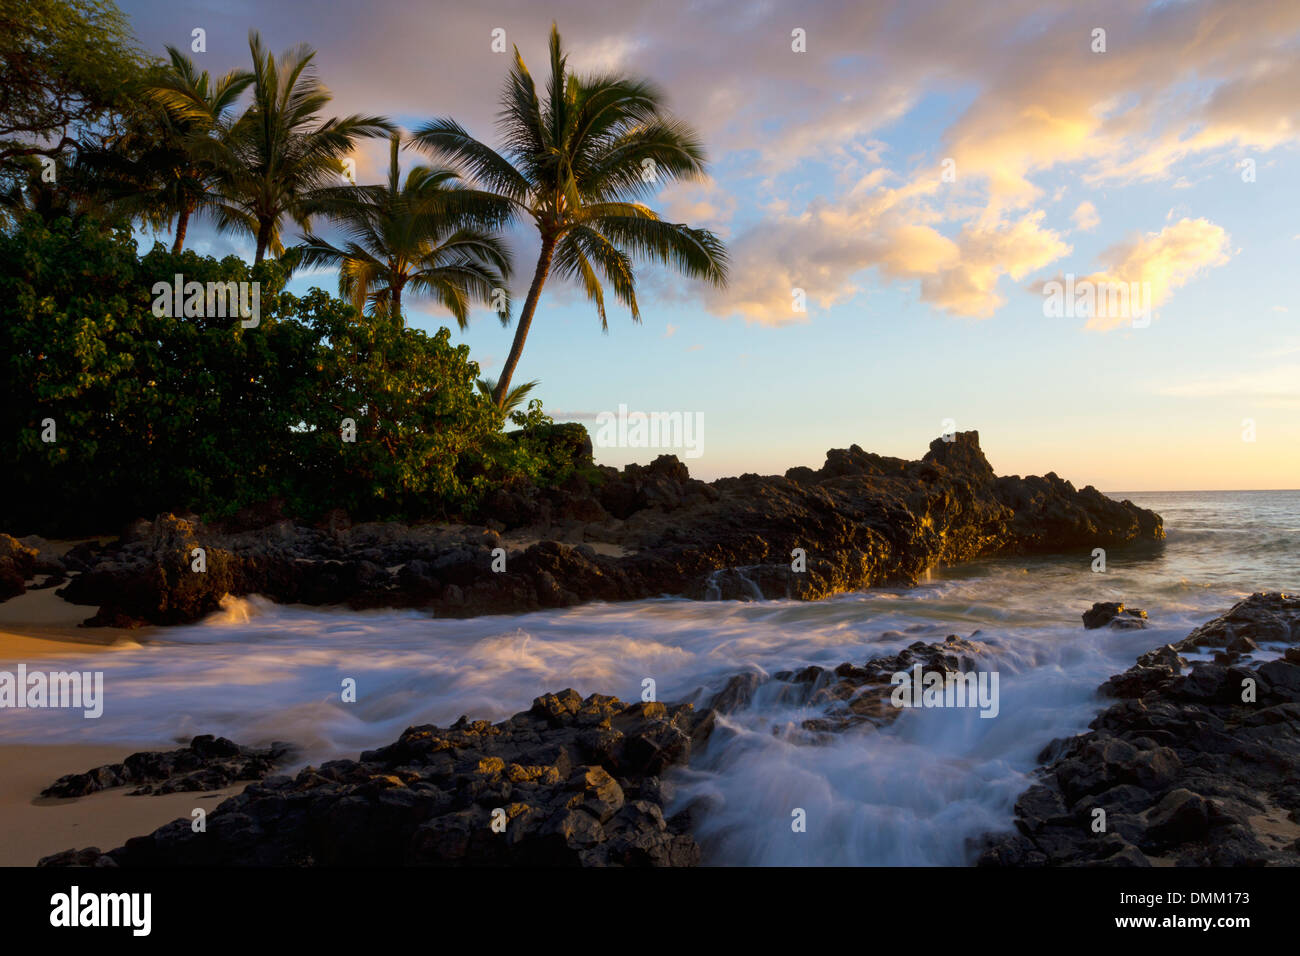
(1195, 764)
(568, 782)
(853, 694)
(860, 520)
(208, 763)
(1115, 614)
(17, 565)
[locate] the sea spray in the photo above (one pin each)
(934, 689)
(38, 690)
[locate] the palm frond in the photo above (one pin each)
(513, 399)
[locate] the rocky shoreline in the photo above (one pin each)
(861, 520)
(569, 782)
(208, 763)
(1185, 770)
(1181, 770)
(1197, 763)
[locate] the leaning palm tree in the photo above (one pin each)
(428, 234)
(192, 125)
(281, 151)
(574, 164)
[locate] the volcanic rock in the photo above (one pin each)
(1192, 767)
(570, 782)
(208, 763)
(860, 520)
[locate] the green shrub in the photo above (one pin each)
(158, 412)
(416, 410)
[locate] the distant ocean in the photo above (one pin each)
(912, 794)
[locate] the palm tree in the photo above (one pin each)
(513, 399)
(281, 152)
(575, 164)
(428, 234)
(193, 113)
(76, 194)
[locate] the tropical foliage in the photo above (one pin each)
(282, 151)
(428, 234)
(111, 411)
(113, 408)
(185, 141)
(513, 399)
(574, 162)
(67, 67)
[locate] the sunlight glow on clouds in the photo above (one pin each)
(824, 247)
(1085, 216)
(1167, 260)
(1028, 99)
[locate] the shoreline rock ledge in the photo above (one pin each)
(569, 782)
(1195, 764)
(861, 520)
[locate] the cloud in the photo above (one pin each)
(1085, 216)
(825, 249)
(1177, 78)
(1167, 260)
(702, 204)
(1276, 387)
(969, 288)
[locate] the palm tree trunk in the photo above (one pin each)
(397, 305)
(182, 222)
(525, 319)
(263, 240)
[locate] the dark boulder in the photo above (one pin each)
(208, 763)
(1115, 614)
(17, 565)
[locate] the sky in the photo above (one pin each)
(922, 172)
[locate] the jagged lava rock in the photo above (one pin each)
(570, 781)
(1194, 766)
(208, 763)
(860, 520)
(1115, 614)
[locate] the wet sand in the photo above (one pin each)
(39, 625)
(32, 827)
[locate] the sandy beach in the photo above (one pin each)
(40, 625)
(32, 827)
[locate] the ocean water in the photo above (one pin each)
(914, 793)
